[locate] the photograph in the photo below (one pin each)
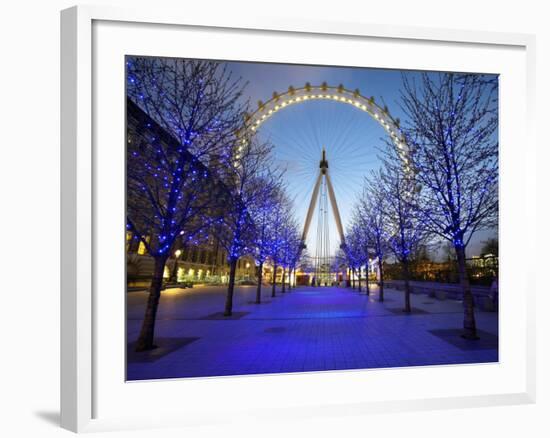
(293, 218)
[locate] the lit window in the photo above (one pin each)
(141, 248)
(128, 240)
(181, 274)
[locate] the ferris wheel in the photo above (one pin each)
(323, 190)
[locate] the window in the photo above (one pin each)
(141, 248)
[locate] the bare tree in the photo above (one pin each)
(276, 245)
(452, 133)
(262, 218)
(372, 210)
(295, 254)
(304, 263)
(198, 102)
(290, 246)
(404, 231)
(250, 189)
(362, 221)
(251, 181)
(192, 114)
(356, 248)
(490, 247)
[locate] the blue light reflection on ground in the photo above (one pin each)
(304, 330)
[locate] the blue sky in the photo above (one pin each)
(351, 137)
(300, 132)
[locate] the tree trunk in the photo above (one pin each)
(367, 287)
(407, 308)
(174, 276)
(147, 333)
(359, 280)
(381, 274)
(259, 288)
(274, 281)
(470, 330)
(230, 288)
(283, 280)
(352, 278)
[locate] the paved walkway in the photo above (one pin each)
(308, 329)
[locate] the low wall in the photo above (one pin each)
(483, 296)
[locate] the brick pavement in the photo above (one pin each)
(308, 329)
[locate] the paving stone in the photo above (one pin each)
(309, 329)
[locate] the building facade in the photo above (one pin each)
(189, 263)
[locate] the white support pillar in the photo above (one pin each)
(335, 210)
(312, 203)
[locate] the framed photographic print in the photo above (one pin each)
(262, 215)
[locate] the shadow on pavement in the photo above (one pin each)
(164, 346)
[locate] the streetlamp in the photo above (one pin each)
(177, 254)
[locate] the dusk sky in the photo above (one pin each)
(350, 136)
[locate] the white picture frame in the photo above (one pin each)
(83, 180)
